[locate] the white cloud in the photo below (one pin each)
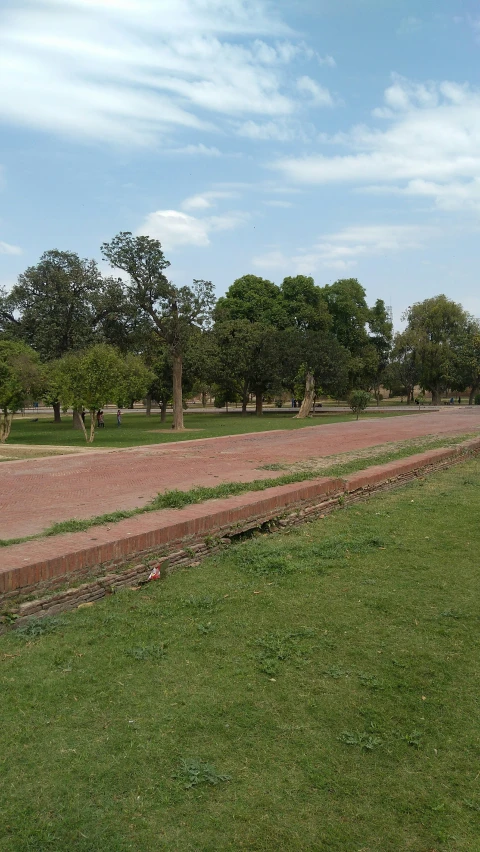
(278, 203)
(133, 71)
(6, 248)
(280, 131)
(433, 136)
(174, 228)
(204, 200)
(342, 250)
(200, 149)
(316, 93)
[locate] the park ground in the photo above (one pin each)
(137, 429)
(315, 689)
(37, 493)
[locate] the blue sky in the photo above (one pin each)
(335, 138)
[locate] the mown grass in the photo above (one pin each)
(176, 499)
(138, 429)
(308, 690)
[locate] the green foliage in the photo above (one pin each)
(21, 378)
(358, 401)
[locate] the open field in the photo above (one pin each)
(310, 690)
(138, 429)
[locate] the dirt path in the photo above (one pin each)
(35, 493)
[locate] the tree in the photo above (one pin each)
(59, 306)
(365, 332)
(247, 361)
(91, 378)
(434, 329)
(402, 372)
(315, 359)
(246, 321)
(21, 378)
(467, 359)
(358, 401)
(174, 311)
(254, 299)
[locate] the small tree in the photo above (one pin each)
(358, 401)
(21, 378)
(89, 379)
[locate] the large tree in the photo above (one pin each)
(60, 305)
(308, 319)
(434, 329)
(365, 331)
(174, 311)
(247, 320)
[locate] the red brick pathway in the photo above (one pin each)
(36, 493)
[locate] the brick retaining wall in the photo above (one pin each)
(180, 537)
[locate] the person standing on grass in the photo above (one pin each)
(101, 421)
(119, 418)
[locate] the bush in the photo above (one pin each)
(477, 399)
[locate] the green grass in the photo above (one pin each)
(176, 499)
(310, 690)
(138, 429)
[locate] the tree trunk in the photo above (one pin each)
(92, 427)
(436, 397)
(163, 411)
(245, 396)
(148, 405)
(258, 404)
(56, 413)
(204, 399)
(307, 402)
(77, 420)
(177, 393)
(5, 425)
(471, 396)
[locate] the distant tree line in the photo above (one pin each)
(78, 339)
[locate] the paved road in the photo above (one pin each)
(35, 493)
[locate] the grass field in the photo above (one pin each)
(137, 428)
(308, 690)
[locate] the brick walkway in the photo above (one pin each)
(36, 493)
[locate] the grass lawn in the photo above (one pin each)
(309, 690)
(140, 429)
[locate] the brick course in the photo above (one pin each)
(184, 536)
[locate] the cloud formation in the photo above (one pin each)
(431, 147)
(174, 228)
(134, 71)
(6, 248)
(342, 250)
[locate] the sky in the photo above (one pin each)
(332, 138)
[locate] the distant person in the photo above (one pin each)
(451, 401)
(459, 400)
(119, 417)
(98, 418)
(82, 415)
(102, 421)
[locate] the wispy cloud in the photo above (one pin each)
(431, 146)
(135, 71)
(6, 248)
(343, 249)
